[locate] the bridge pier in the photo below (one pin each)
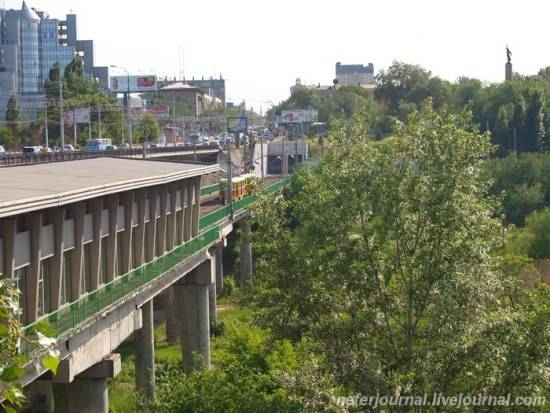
(212, 302)
(145, 353)
(245, 254)
(192, 301)
(169, 304)
(219, 268)
(88, 392)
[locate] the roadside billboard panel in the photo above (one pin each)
(299, 116)
(82, 115)
(139, 83)
(237, 125)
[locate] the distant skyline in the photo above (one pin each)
(262, 47)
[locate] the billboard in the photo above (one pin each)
(81, 115)
(237, 125)
(159, 112)
(298, 116)
(139, 83)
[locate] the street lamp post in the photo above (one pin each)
(128, 112)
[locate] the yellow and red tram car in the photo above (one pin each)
(242, 186)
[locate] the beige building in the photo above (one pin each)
(198, 100)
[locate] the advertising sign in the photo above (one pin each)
(82, 115)
(140, 83)
(298, 116)
(237, 125)
(159, 112)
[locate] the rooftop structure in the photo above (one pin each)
(33, 187)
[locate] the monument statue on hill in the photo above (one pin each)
(508, 66)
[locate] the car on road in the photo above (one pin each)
(2, 151)
(111, 148)
(124, 146)
(154, 145)
(68, 148)
(31, 150)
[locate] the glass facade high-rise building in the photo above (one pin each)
(29, 59)
(31, 43)
(38, 47)
(50, 50)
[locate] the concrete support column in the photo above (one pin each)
(110, 259)
(212, 302)
(82, 396)
(188, 210)
(138, 253)
(145, 353)
(57, 259)
(169, 305)
(196, 206)
(30, 295)
(77, 254)
(39, 395)
(151, 227)
(8, 229)
(219, 268)
(96, 207)
(161, 224)
(171, 237)
(126, 247)
(88, 392)
(245, 254)
(194, 319)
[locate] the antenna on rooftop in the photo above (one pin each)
(181, 62)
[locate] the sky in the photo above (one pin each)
(261, 47)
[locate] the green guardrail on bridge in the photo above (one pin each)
(210, 189)
(75, 313)
(71, 315)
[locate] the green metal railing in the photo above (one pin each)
(214, 217)
(71, 315)
(210, 189)
(75, 313)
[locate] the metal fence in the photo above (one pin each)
(71, 315)
(210, 189)
(16, 159)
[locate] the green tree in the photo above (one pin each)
(147, 129)
(385, 256)
(12, 361)
(6, 137)
(538, 225)
(13, 115)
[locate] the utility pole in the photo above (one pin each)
(46, 135)
(262, 156)
(122, 126)
(129, 114)
(74, 128)
(295, 152)
(284, 158)
(229, 177)
(61, 115)
(99, 120)
(128, 110)
(89, 122)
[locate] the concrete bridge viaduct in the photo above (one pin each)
(90, 243)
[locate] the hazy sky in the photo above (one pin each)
(261, 46)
